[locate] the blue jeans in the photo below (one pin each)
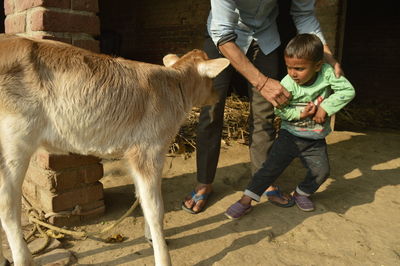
(312, 153)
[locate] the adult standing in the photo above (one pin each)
(246, 33)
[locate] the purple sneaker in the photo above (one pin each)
(303, 202)
(237, 210)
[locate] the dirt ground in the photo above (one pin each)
(356, 221)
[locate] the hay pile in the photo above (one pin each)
(352, 117)
(235, 126)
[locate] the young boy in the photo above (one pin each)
(316, 95)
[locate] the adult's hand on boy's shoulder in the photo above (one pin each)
(338, 70)
(330, 59)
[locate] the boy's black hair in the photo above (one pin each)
(305, 46)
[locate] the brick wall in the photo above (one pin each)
(65, 187)
(70, 21)
(150, 29)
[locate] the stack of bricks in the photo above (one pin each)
(65, 187)
(60, 184)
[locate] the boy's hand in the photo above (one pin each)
(320, 115)
(309, 110)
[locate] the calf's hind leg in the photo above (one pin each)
(15, 152)
(146, 168)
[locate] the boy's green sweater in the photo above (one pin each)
(336, 93)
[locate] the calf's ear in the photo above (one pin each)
(211, 68)
(170, 59)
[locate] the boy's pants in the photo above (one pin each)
(312, 153)
(209, 130)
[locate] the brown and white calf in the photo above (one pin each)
(68, 99)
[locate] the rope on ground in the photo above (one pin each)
(35, 214)
(76, 211)
(131, 209)
(37, 218)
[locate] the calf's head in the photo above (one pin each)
(201, 71)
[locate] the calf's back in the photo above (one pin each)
(90, 103)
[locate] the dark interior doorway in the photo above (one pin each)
(2, 16)
(371, 50)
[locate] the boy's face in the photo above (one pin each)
(302, 71)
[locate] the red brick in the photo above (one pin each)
(72, 178)
(49, 202)
(58, 162)
(22, 5)
(91, 45)
(49, 20)
(78, 196)
(30, 192)
(37, 21)
(91, 173)
(9, 7)
(65, 4)
(38, 197)
(86, 5)
(57, 182)
(44, 178)
(68, 181)
(15, 23)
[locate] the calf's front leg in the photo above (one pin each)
(16, 148)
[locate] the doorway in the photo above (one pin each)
(371, 50)
(2, 17)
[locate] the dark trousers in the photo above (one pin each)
(209, 131)
(312, 153)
